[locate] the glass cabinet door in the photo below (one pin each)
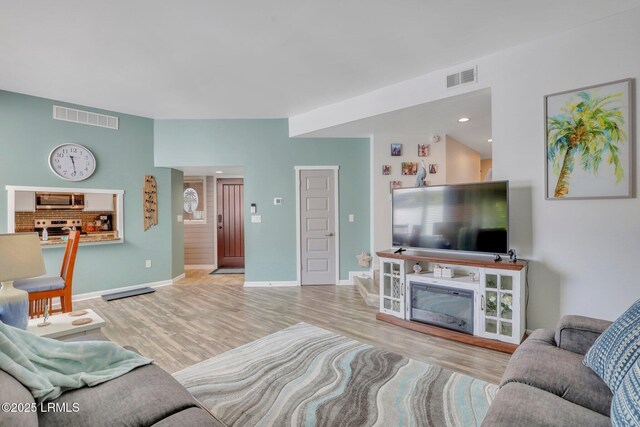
(392, 288)
(498, 305)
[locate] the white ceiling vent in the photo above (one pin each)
(84, 117)
(463, 77)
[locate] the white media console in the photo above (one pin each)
(485, 299)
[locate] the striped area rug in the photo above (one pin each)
(307, 376)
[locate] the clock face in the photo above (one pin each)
(72, 162)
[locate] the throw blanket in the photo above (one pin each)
(49, 367)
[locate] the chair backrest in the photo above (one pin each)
(69, 259)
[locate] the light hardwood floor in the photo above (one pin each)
(204, 315)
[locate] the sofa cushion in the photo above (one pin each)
(539, 363)
(192, 417)
(143, 396)
(625, 408)
(13, 392)
(522, 405)
(617, 349)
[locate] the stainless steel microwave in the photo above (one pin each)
(59, 201)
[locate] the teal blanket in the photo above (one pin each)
(49, 367)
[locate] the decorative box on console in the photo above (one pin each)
(447, 272)
(437, 271)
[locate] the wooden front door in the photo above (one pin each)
(230, 222)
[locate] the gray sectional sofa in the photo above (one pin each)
(546, 384)
(146, 396)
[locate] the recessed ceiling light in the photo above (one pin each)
(489, 140)
(463, 119)
(219, 172)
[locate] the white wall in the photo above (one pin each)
(381, 191)
(585, 253)
(462, 162)
(199, 239)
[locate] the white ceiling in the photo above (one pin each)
(256, 59)
(438, 117)
(234, 171)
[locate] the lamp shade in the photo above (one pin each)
(20, 256)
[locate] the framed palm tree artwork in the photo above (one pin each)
(589, 142)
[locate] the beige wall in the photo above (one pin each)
(381, 195)
(463, 163)
(199, 238)
(485, 167)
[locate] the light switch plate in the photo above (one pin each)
(179, 218)
(256, 219)
(352, 217)
(147, 263)
(277, 201)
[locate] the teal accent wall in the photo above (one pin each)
(177, 231)
(28, 133)
(268, 155)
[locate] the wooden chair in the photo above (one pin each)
(45, 288)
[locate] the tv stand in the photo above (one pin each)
(498, 287)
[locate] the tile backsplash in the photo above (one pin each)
(25, 220)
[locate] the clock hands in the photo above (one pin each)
(73, 163)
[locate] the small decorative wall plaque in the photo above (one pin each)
(150, 202)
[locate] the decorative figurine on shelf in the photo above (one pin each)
(417, 268)
(45, 317)
(364, 260)
(421, 175)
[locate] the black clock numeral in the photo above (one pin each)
(59, 166)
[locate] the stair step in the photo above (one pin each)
(368, 289)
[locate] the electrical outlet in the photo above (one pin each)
(352, 217)
(179, 218)
(147, 263)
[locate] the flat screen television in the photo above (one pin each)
(460, 217)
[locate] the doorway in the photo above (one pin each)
(230, 222)
(317, 225)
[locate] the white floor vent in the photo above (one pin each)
(84, 117)
(463, 77)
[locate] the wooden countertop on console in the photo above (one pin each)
(457, 259)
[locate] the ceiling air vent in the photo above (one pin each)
(84, 117)
(462, 77)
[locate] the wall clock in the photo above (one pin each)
(72, 162)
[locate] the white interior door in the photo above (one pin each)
(317, 227)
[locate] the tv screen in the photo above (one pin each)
(461, 217)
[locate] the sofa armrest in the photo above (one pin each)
(578, 333)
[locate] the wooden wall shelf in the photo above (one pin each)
(448, 334)
(454, 259)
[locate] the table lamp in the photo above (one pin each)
(20, 258)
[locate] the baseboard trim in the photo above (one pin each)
(98, 294)
(352, 274)
(180, 277)
(270, 284)
(200, 267)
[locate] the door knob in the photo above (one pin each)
(329, 235)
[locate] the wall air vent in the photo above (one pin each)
(84, 117)
(463, 77)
